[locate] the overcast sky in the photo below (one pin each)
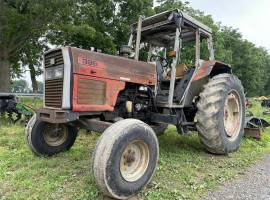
(249, 16)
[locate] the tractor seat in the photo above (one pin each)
(180, 71)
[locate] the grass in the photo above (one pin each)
(35, 102)
(185, 170)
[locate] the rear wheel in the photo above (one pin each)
(221, 114)
(125, 158)
(48, 139)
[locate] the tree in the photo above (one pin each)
(87, 24)
(20, 86)
(31, 56)
(40, 86)
(22, 21)
(267, 77)
(128, 13)
(165, 5)
(79, 23)
(27, 26)
(102, 24)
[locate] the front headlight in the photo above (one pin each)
(58, 73)
(48, 74)
(54, 72)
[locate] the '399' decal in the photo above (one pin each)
(87, 61)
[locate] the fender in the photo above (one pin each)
(212, 68)
(207, 69)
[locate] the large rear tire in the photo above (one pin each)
(221, 114)
(47, 139)
(125, 158)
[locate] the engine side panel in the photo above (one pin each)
(95, 94)
(112, 67)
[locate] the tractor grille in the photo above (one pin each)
(54, 88)
(57, 56)
(53, 93)
(91, 92)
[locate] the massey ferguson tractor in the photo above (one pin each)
(131, 101)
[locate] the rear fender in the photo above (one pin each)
(206, 70)
(211, 68)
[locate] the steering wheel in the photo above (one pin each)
(163, 61)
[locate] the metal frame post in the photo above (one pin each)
(175, 62)
(198, 48)
(149, 53)
(210, 48)
(138, 38)
(130, 40)
(197, 64)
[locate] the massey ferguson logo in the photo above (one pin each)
(87, 61)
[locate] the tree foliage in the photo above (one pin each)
(19, 86)
(27, 26)
(22, 22)
(85, 25)
(104, 24)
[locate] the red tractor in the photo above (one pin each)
(131, 101)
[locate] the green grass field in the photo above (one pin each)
(185, 170)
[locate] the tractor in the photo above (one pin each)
(132, 98)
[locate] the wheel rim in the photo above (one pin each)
(55, 134)
(232, 115)
(134, 160)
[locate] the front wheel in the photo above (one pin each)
(46, 139)
(221, 114)
(125, 158)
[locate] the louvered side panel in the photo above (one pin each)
(91, 92)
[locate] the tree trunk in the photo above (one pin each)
(33, 78)
(4, 72)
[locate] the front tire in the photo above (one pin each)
(221, 114)
(125, 158)
(47, 139)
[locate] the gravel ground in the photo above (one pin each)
(254, 184)
(108, 198)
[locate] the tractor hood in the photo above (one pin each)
(96, 64)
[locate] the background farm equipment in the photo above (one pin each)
(254, 125)
(265, 103)
(14, 110)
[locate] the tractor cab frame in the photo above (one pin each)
(172, 29)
